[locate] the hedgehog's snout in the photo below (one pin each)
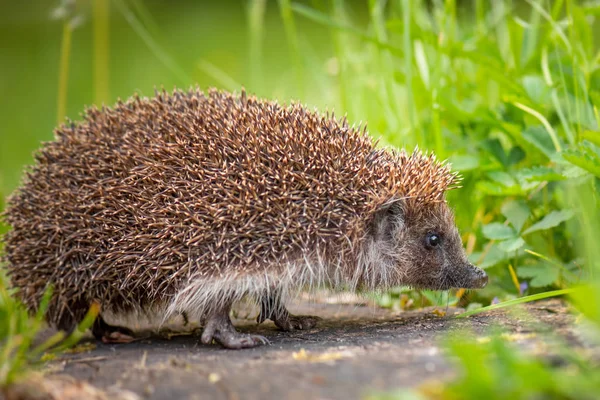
(477, 277)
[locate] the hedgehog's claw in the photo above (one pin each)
(273, 309)
(117, 337)
(236, 340)
(297, 322)
(109, 333)
(219, 328)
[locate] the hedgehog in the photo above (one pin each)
(187, 202)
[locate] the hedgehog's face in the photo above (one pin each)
(421, 247)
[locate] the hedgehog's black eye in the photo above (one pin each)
(433, 240)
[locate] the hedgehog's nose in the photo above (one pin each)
(482, 281)
(480, 278)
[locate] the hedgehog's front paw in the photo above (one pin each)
(219, 328)
(236, 340)
(296, 322)
(272, 308)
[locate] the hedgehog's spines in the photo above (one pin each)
(189, 189)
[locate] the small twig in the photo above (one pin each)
(84, 360)
(143, 360)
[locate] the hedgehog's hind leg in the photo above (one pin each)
(109, 333)
(218, 326)
(272, 308)
(68, 317)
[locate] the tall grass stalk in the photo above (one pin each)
(520, 300)
(408, 70)
(256, 19)
(145, 16)
(101, 14)
(341, 42)
(63, 71)
(289, 24)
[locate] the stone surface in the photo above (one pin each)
(355, 350)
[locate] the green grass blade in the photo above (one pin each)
(256, 16)
(144, 15)
(63, 74)
(543, 121)
(291, 33)
(520, 300)
(101, 12)
(78, 332)
(408, 71)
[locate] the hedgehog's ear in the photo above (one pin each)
(393, 207)
(388, 218)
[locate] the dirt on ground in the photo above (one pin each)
(356, 350)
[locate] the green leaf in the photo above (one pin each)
(551, 220)
(592, 136)
(494, 256)
(540, 174)
(538, 136)
(541, 274)
(503, 178)
(464, 162)
(498, 231)
(516, 155)
(574, 172)
(537, 89)
(545, 280)
(495, 189)
(494, 147)
(586, 156)
(516, 212)
(511, 244)
(595, 96)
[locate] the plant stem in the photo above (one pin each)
(63, 71)
(285, 9)
(408, 54)
(256, 16)
(101, 50)
(520, 300)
